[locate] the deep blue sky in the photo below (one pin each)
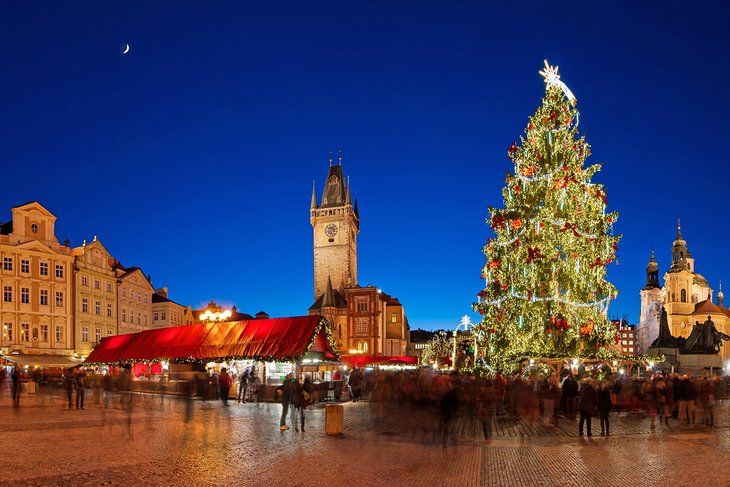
(193, 155)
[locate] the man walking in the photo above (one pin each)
(69, 383)
(224, 382)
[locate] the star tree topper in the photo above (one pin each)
(550, 73)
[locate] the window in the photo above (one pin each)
(8, 332)
(8, 294)
(97, 284)
(84, 305)
(108, 287)
(97, 335)
(59, 299)
(44, 333)
(34, 227)
(44, 268)
(623, 342)
(631, 349)
(394, 318)
(124, 293)
(35, 333)
(155, 316)
(7, 263)
(24, 266)
(124, 314)
(361, 326)
(365, 347)
(683, 295)
(146, 298)
(139, 297)
(84, 333)
(145, 319)
(44, 297)
(362, 306)
(139, 318)
(84, 281)
(24, 332)
(59, 334)
(59, 271)
(109, 310)
(25, 295)
(98, 307)
(109, 332)
(163, 315)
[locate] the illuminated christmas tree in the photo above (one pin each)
(546, 294)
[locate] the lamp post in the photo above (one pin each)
(466, 324)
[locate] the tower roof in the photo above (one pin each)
(679, 241)
(334, 193)
(652, 266)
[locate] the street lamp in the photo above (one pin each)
(214, 317)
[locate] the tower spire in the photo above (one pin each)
(313, 205)
(329, 295)
(652, 273)
(720, 296)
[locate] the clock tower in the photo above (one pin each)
(336, 224)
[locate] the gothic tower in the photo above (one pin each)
(651, 306)
(336, 224)
(680, 277)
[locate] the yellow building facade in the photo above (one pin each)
(36, 281)
(95, 296)
(135, 300)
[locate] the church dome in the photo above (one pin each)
(700, 280)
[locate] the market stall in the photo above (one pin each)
(272, 346)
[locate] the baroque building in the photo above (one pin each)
(166, 312)
(364, 319)
(36, 278)
(686, 296)
(95, 296)
(135, 300)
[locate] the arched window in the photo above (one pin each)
(393, 318)
(365, 347)
(683, 295)
(359, 347)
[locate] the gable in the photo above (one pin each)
(36, 246)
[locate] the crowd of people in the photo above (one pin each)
(430, 402)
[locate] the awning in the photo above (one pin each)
(275, 339)
(357, 360)
(62, 361)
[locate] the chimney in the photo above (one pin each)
(162, 292)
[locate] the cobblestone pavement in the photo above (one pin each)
(154, 440)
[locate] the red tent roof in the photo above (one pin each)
(270, 339)
(363, 360)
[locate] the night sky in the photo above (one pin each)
(193, 155)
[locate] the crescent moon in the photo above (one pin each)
(126, 49)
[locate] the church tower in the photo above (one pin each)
(336, 224)
(680, 277)
(651, 306)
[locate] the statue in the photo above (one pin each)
(665, 338)
(704, 338)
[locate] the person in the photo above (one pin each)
(297, 401)
(355, 383)
(243, 385)
(447, 408)
(487, 408)
(285, 390)
(586, 406)
(550, 398)
(80, 387)
(15, 377)
(500, 389)
(687, 396)
(660, 392)
(604, 407)
(69, 383)
(307, 391)
(213, 384)
(707, 398)
(568, 395)
(224, 382)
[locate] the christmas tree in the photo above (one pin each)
(546, 294)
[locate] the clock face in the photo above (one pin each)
(330, 230)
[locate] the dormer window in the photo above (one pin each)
(34, 227)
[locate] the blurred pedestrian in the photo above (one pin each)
(604, 407)
(486, 408)
(586, 405)
(224, 382)
(355, 383)
(15, 377)
(285, 390)
(243, 385)
(80, 387)
(69, 383)
(568, 396)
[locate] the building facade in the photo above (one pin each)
(95, 296)
(686, 296)
(627, 337)
(364, 319)
(135, 300)
(166, 312)
(37, 281)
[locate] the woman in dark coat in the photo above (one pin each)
(604, 406)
